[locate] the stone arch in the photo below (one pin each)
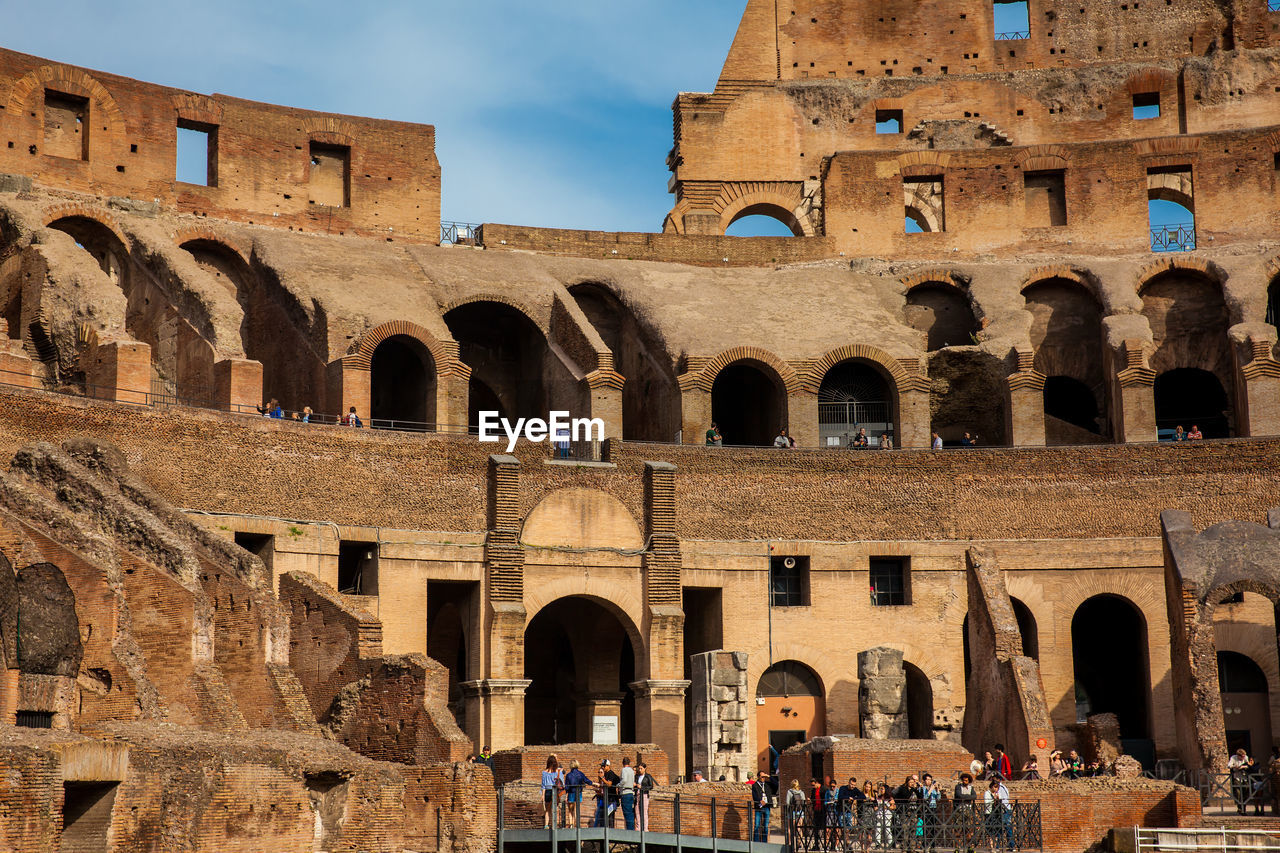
(820, 662)
(938, 276)
(1129, 693)
(939, 304)
(783, 201)
(1043, 158)
(582, 518)
(361, 353)
(529, 313)
(902, 379)
(65, 78)
(80, 211)
(773, 211)
(1193, 265)
(626, 607)
(1254, 641)
(1082, 277)
(204, 234)
(705, 376)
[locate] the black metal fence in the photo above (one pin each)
(1179, 237)
(1241, 792)
(914, 825)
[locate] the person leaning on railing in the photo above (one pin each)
(574, 783)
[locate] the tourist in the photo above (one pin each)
(1178, 434)
(486, 756)
(861, 441)
(697, 776)
(831, 813)
(1238, 766)
(910, 823)
(272, 410)
(795, 809)
(999, 814)
(966, 822)
(884, 810)
(819, 819)
(606, 794)
(1075, 765)
(1057, 765)
(760, 795)
(1031, 767)
(783, 440)
(937, 442)
(977, 767)
(845, 798)
(1195, 434)
(967, 441)
(1003, 765)
(627, 787)
(306, 414)
(988, 766)
(886, 443)
(933, 797)
(552, 785)
(574, 783)
(714, 439)
(644, 785)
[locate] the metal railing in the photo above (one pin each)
(1015, 35)
(460, 233)
(582, 450)
(1221, 839)
(1229, 793)
(866, 825)
(1180, 237)
(1273, 5)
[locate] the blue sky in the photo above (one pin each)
(546, 114)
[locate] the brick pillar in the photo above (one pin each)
(15, 364)
(120, 371)
(914, 417)
(505, 615)
(1134, 408)
(701, 222)
(1024, 409)
(660, 717)
(453, 388)
(238, 384)
(1257, 385)
(802, 412)
(695, 414)
(660, 699)
(605, 390)
(9, 696)
(347, 384)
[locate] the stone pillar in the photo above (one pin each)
(120, 371)
(701, 222)
(660, 717)
(238, 385)
(348, 384)
(495, 712)
(695, 414)
(473, 713)
(1024, 418)
(1134, 407)
(722, 742)
(453, 389)
(802, 418)
(914, 417)
(15, 364)
(882, 694)
(1258, 384)
(605, 390)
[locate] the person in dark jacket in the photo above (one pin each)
(761, 795)
(575, 782)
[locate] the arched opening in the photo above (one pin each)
(508, 357)
(1070, 401)
(1246, 704)
(1066, 334)
(100, 242)
(402, 385)
(855, 395)
(919, 702)
(793, 710)
(650, 397)
(943, 313)
(580, 660)
(1027, 628)
(1188, 397)
(1273, 302)
(1189, 322)
(967, 395)
(764, 220)
(1109, 657)
(915, 222)
(748, 403)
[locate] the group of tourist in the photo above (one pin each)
(860, 441)
(306, 416)
(627, 791)
(1180, 435)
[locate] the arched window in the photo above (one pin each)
(943, 313)
(919, 701)
(855, 395)
(508, 357)
(1190, 397)
(789, 678)
(1027, 628)
(402, 385)
(764, 220)
(1238, 673)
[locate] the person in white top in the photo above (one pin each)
(999, 813)
(1238, 765)
(937, 441)
(628, 788)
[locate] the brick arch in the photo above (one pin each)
(1195, 266)
(361, 354)
(625, 607)
(705, 378)
(1084, 278)
(1148, 80)
(205, 234)
(903, 380)
(75, 81)
(496, 297)
(822, 663)
(106, 220)
(1252, 640)
(782, 201)
(1146, 597)
(919, 164)
(1039, 158)
(936, 276)
(330, 129)
(192, 107)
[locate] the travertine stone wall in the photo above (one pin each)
(882, 694)
(721, 727)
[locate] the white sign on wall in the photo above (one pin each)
(604, 730)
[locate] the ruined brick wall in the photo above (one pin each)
(1077, 815)
(450, 807)
(881, 760)
(698, 249)
(273, 165)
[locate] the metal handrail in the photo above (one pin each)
(460, 233)
(1174, 237)
(1014, 35)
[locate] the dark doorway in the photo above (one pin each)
(86, 816)
(780, 740)
(402, 385)
(358, 568)
(1190, 396)
(508, 357)
(261, 544)
(748, 404)
(1027, 627)
(1072, 401)
(449, 612)
(919, 703)
(1109, 654)
(854, 395)
(943, 313)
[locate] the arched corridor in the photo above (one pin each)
(1246, 704)
(748, 403)
(1188, 396)
(855, 394)
(1109, 658)
(1066, 334)
(919, 702)
(580, 660)
(508, 357)
(1027, 628)
(943, 313)
(402, 385)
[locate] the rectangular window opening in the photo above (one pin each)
(330, 175)
(1012, 20)
(888, 121)
(358, 568)
(86, 815)
(196, 161)
(890, 581)
(1046, 200)
(66, 125)
(261, 544)
(1171, 209)
(789, 581)
(35, 719)
(1146, 105)
(923, 200)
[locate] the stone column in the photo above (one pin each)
(604, 388)
(120, 371)
(1258, 384)
(722, 742)
(1134, 407)
(1024, 419)
(660, 717)
(505, 615)
(495, 711)
(914, 419)
(238, 384)
(695, 414)
(882, 694)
